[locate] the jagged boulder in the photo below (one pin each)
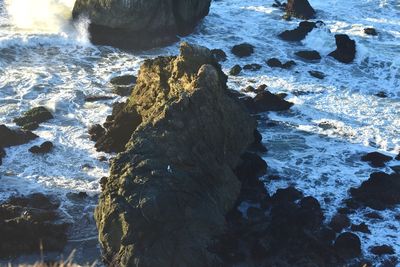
(346, 49)
(300, 9)
(169, 191)
(140, 24)
(13, 137)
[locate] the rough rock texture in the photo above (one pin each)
(348, 245)
(243, 50)
(266, 101)
(45, 147)
(32, 118)
(299, 33)
(300, 9)
(168, 193)
(140, 24)
(346, 49)
(376, 159)
(309, 55)
(317, 74)
(380, 191)
(25, 222)
(10, 137)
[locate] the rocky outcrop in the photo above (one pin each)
(243, 50)
(140, 24)
(299, 33)
(32, 118)
(29, 224)
(308, 55)
(10, 137)
(169, 191)
(376, 159)
(299, 9)
(380, 191)
(346, 49)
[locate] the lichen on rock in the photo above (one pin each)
(169, 190)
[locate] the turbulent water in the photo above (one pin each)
(47, 60)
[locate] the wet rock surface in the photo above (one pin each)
(317, 74)
(266, 101)
(308, 55)
(243, 50)
(379, 192)
(44, 148)
(376, 159)
(32, 118)
(300, 9)
(346, 49)
(10, 137)
(169, 191)
(28, 223)
(299, 33)
(136, 24)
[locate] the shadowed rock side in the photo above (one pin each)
(169, 191)
(140, 24)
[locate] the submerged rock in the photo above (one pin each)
(27, 222)
(317, 74)
(380, 191)
(32, 118)
(299, 33)
(300, 9)
(169, 191)
(140, 24)
(346, 49)
(46, 147)
(235, 70)
(376, 159)
(370, 31)
(308, 54)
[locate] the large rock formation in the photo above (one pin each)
(300, 9)
(169, 191)
(140, 24)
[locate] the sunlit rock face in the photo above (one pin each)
(140, 24)
(168, 193)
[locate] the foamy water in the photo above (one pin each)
(316, 146)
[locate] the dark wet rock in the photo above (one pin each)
(243, 50)
(362, 227)
(124, 80)
(289, 64)
(376, 159)
(252, 67)
(317, 74)
(380, 191)
(381, 94)
(261, 88)
(398, 157)
(391, 261)
(373, 215)
(44, 148)
(138, 24)
(300, 9)
(33, 118)
(235, 70)
(396, 169)
(2, 154)
(96, 132)
(348, 245)
(299, 33)
(219, 55)
(279, 5)
(10, 137)
(171, 187)
(267, 101)
(339, 222)
(346, 49)
(251, 167)
(80, 196)
(274, 63)
(309, 54)
(94, 98)
(382, 250)
(289, 194)
(370, 31)
(257, 145)
(27, 222)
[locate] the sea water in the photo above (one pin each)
(47, 60)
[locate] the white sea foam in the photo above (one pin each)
(316, 146)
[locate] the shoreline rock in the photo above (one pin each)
(300, 9)
(346, 49)
(135, 24)
(169, 191)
